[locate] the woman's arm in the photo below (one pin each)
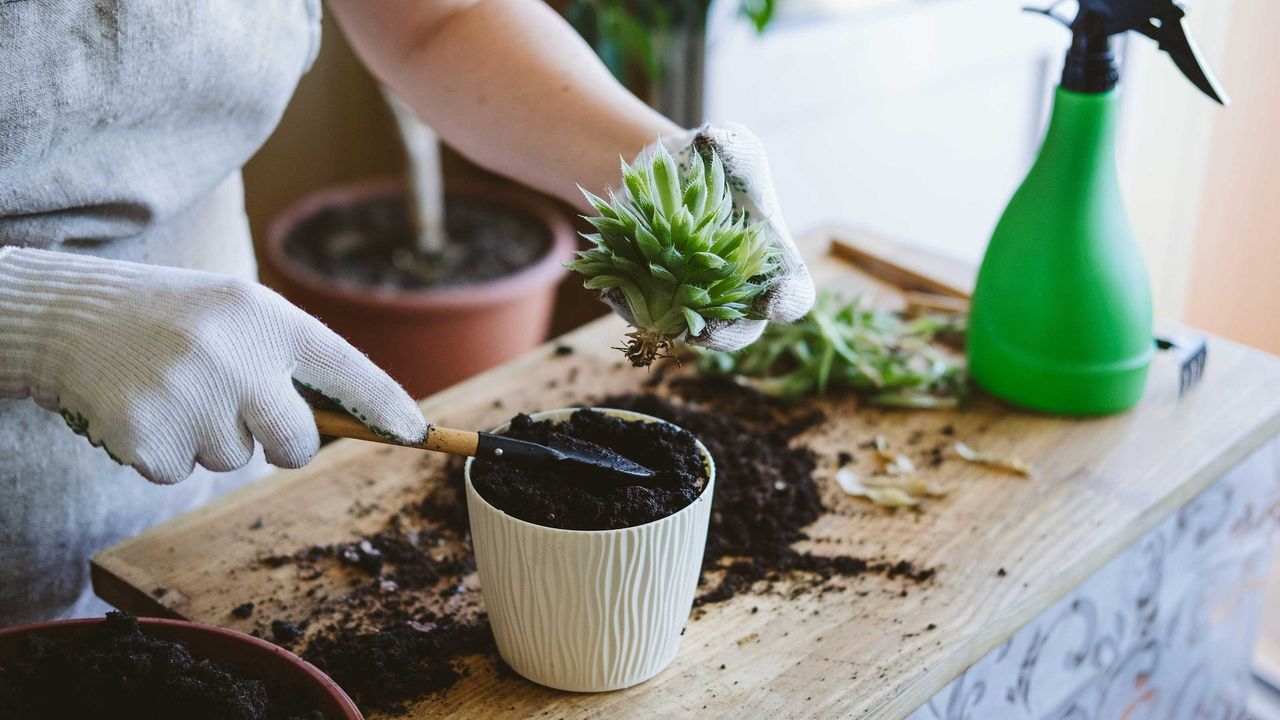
(509, 84)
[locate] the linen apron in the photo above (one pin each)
(123, 127)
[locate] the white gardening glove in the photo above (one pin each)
(789, 292)
(164, 368)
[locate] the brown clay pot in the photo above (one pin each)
(249, 655)
(428, 339)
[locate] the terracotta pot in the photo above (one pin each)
(428, 339)
(249, 655)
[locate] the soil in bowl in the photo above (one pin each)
(578, 498)
(118, 671)
(371, 244)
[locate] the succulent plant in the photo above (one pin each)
(674, 251)
(850, 345)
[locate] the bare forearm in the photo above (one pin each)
(507, 83)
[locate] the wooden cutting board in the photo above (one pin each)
(1100, 484)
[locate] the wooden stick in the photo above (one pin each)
(889, 271)
(336, 423)
(932, 302)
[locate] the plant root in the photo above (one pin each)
(645, 346)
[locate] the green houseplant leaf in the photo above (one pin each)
(845, 344)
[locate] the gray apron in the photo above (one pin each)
(123, 127)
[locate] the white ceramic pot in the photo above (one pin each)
(589, 610)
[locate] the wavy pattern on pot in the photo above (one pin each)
(588, 610)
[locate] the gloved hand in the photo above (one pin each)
(164, 368)
(789, 292)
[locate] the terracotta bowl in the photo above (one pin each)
(248, 654)
(429, 339)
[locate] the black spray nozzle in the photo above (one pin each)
(1097, 21)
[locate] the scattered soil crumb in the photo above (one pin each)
(405, 628)
(284, 631)
(768, 495)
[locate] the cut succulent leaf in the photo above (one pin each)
(676, 251)
(848, 344)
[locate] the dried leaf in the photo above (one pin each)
(884, 496)
(1010, 464)
(894, 463)
(919, 486)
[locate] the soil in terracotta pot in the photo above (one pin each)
(119, 671)
(577, 498)
(370, 244)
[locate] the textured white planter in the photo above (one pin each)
(589, 610)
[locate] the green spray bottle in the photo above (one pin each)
(1061, 318)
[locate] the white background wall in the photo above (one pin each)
(914, 118)
(918, 118)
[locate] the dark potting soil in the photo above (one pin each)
(119, 671)
(398, 663)
(765, 493)
(407, 622)
(371, 244)
(406, 629)
(575, 497)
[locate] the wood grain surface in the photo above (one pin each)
(1005, 547)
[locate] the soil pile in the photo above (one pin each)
(411, 659)
(765, 494)
(118, 671)
(409, 620)
(573, 497)
(407, 627)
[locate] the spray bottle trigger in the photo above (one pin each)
(1049, 13)
(1172, 37)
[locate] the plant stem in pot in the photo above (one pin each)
(425, 182)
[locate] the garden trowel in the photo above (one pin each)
(498, 448)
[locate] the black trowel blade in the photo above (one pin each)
(600, 458)
(611, 466)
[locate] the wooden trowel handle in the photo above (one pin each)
(337, 423)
